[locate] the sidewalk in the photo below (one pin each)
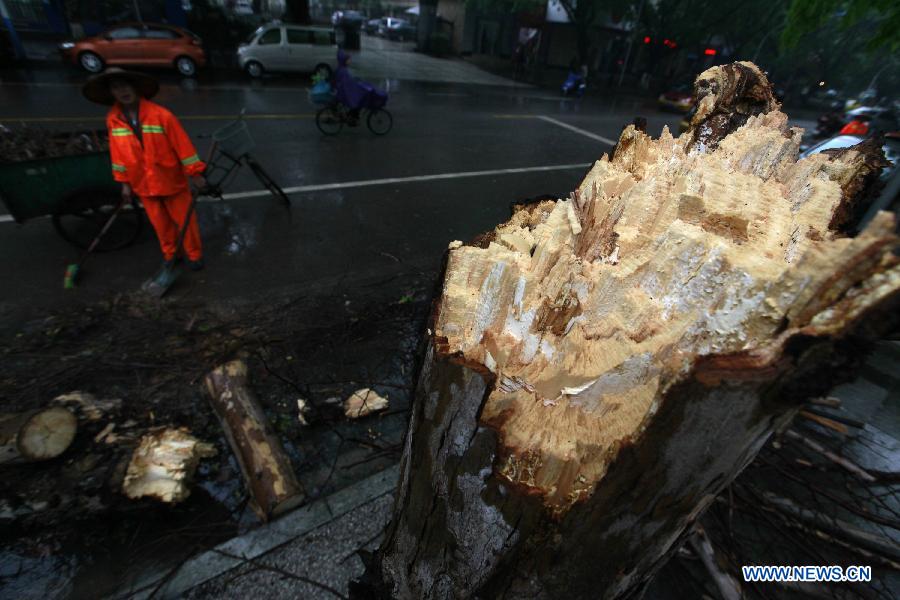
(300, 555)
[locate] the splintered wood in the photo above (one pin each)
(716, 245)
(163, 465)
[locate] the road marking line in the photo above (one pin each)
(593, 136)
(413, 179)
(182, 117)
(355, 184)
(233, 117)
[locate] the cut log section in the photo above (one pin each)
(36, 435)
(267, 470)
(163, 465)
(602, 366)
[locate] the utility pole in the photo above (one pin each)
(18, 48)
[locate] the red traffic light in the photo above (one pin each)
(710, 52)
(646, 39)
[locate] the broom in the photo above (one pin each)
(73, 269)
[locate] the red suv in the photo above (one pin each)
(147, 44)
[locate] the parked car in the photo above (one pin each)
(371, 26)
(348, 17)
(400, 30)
(386, 23)
(146, 44)
(680, 98)
(279, 47)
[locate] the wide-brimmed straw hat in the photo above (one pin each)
(97, 87)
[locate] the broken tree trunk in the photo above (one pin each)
(601, 367)
(36, 435)
(267, 470)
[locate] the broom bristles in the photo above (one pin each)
(69, 279)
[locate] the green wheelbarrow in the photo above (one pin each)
(77, 192)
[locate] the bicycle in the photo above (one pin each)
(331, 119)
(231, 146)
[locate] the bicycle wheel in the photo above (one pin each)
(267, 181)
(329, 120)
(84, 213)
(379, 121)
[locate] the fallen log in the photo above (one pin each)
(601, 367)
(267, 470)
(36, 435)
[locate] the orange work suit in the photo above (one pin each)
(156, 162)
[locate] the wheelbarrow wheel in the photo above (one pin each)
(83, 214)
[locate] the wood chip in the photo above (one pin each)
(364, 402)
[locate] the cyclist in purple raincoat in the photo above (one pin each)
(353, 93)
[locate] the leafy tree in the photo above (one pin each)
(807, 16)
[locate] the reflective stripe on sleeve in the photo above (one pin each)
(120, 131)
(190, 160)
(119, 168)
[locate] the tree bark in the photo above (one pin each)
(266, 468)
(36, 435)
(601, 367)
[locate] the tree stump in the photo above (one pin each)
(601, 367)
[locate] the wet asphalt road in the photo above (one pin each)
(254, 247)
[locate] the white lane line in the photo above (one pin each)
(388, 181)
(413, 179)
(593, 136)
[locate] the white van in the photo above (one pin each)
(283, 48)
